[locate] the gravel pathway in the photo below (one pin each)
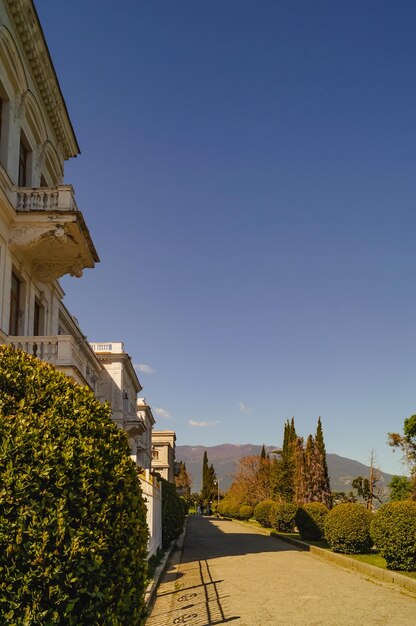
(230, 573)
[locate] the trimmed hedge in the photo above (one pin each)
(282, 516)
(310, 520)
(347, 528)
(73, 535)
(262, 512)
(173, 513)
(394, 532)
(233, 509)
(245, 512)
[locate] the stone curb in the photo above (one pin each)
(150, 591)
(372, 571)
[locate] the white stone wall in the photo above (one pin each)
(152, 494)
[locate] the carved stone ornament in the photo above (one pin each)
(19, 108)
(30, 236)
(41, 155)
(47, 272)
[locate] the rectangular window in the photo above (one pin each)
(14, 305)
(37, 319)
(23, 158)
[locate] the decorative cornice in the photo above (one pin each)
(26, 24)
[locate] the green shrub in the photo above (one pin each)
(245, 512)
(173, 514)
(282, 516)
(310, 520)
(394, 533)
(233, 510)
(262, 512)
(347, 528)
(221, 508)
(73, 535)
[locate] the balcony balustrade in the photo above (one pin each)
(64, 352)
(134, 425)
(50, 233)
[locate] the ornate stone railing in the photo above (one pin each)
(46, 198)
(116, 347)
(62, 351)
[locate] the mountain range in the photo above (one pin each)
(225, 459)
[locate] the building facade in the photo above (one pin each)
(43, 234)
(163, 454)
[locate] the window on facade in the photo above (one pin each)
(38, 318)
(155, 455)
(23, 164)
(14, 305)
(43, 182)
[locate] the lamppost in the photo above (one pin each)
(218, 490)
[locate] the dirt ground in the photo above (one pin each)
(230, 573)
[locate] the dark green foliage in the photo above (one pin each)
(245, 512)
(310, 519)
(400, 488)
(320, 444)
(282, 517)
(262, 512)
(209, 481)
(173, 513)
(347, 529)
(283, 468)
(73, 536)
(394, 532)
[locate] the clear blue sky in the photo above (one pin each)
(248, 177)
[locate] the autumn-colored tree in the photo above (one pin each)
(299, 475)
(252, 482)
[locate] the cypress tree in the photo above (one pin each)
(263, 453)
(209, 477)
(324, 484)
(284, 466)
(300, 472)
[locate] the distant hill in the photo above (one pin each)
(225, 460)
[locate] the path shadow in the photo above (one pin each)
(210, 538)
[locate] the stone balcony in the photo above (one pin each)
(63, 352)
(49, 232)
(134, 425)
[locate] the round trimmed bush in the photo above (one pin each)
(394, 533)
(262, 512)
(73, 535)
(347, 528)
(245, 512)
(233, 510)
(310, 519)
(282, 517)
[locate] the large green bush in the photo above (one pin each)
(73, 536)
(310, 520)
(262, 512)
(245, 512)
(347, 528)
(173, 514)
(394, 533)
(282, 516)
